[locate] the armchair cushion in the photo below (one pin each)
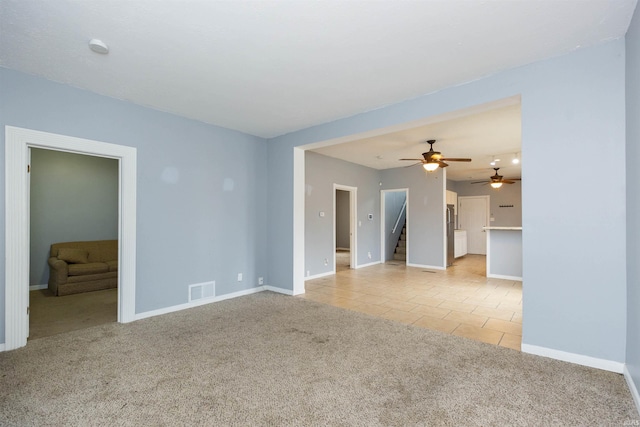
(90, 268)
(73, 255)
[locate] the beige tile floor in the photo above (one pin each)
(459, 301)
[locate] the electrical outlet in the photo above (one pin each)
(308, 273)
(239, 277)
(326, 261)
(260, 281)
(369, 255)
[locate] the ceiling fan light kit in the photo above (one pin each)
(430, 167)
(496, 180)
(433, 159)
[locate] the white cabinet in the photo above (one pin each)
(452, 199)
(459, 243)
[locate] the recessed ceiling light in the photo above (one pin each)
(98, 46)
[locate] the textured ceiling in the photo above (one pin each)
(271, 67)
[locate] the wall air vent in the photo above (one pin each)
(202, 291)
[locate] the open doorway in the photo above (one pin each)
(18, 142)
(344, 227)
(73, 198)
(394, 225)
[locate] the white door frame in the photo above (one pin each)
(18, 141)
(353, 215)
(383, 231)
(488, 207)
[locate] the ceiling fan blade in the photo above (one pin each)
(442, 164)
(453, 159)
(508, 181)
(415, 160)
(479, 182)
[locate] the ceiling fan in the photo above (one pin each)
(434, 159)
(496, 180)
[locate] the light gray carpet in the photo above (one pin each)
(268, 359)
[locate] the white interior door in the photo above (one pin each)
(473, 214)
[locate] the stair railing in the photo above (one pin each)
(404, 206)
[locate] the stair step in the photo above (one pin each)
(402, 243)
(400, 257)
(401, 250)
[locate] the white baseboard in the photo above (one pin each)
(317, 276)
(500, 276)
(38, 287)
(632, 387)
(197, 303)
(367, 265)
(343, 249)
(280, 290)
(429, 267)
(578, 359)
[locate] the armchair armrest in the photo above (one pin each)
(58, 273)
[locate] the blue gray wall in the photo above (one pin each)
(633, 198)
(321, 173)
(509, 196)
(73, 198)
(202, 192)
(425, 213)
(574, 103)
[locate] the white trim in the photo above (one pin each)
(2, 347)
(197, 303)
(502, 276)
(578, 359)
(632, 387)
(279, 290)
(445, 237)
(431, 267)
(353, 226)
(18, 141)
(369, 264)
(317, 276)
(37, 287)
(298, 219)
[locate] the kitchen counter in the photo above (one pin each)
(502, 228)
(504, 252)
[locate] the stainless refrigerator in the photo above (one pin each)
(450, 234)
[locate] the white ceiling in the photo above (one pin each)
(485, 133)
(271, 67)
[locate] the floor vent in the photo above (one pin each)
(202, 291)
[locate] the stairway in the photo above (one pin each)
(401, 248)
